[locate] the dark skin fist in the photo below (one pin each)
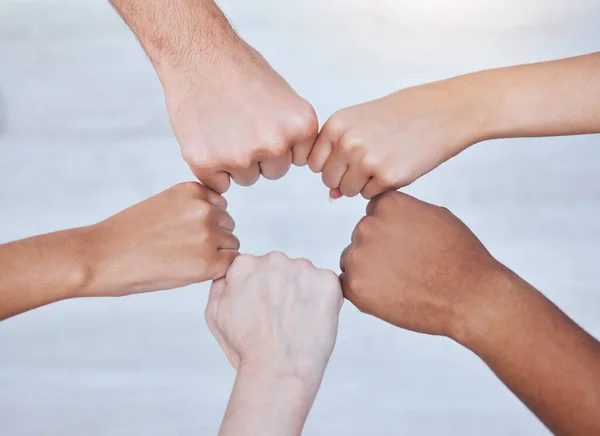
(416, 266)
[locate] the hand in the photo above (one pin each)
(276, 315)
(389, 143)
(178, 237)
(417, 266)
(234, 115)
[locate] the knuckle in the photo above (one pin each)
(363, 230)
(276, 257)
(388, 178)
(351, 141)
(382, 202)
(305, 123)
(304, 263)
(241, 262)
(336, 125)
(242, 161)
(197, 158)
(275, 143)
(189, 187)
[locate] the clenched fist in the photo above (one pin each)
(390, 142)
(236, 116)
(276, 315)
(416, 266)
(178, 237)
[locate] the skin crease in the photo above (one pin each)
(276, 319)
(210, 77)
(418, 267)
(390, 142)
(178, 237)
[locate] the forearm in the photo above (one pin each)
(550, 363)
(264, 404)
(545, 99)
(175, 33)
(42, 270)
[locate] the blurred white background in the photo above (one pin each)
(84, 134)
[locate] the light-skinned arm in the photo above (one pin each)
(417, 266)
(276, 320)
(231, 112)
(388, 143)
(178, 237)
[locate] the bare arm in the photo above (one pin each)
(390, 142)
(546, 99)
(42, 270)
(231, 112)
(276, 319)
(417, 266)
(543, 357)
(265, 403)
(178, 237)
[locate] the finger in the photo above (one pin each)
(320, 153)
(354, 181)
(224, 220)
(344, 258)
(373, 188)
(214, 198)
(218, 182)
(334, 194)
(276, 167)
(301, 151)
(246, 176)
(227, 240)
(225, 259)
(345, 286)
(334, 171)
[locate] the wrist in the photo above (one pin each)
(474, 109)
(82, 272)
(96, 262)
(488, 320)
(268, 402)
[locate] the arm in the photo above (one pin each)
(390, 142)
(419, 267)
(178, 237)
(43, 270)
(210, 77)
(268, 404)
(276, 319)
(542, 356)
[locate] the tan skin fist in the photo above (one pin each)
(176, 238)
(416, 266)
(390, 142)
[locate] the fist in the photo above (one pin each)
(239, 117)
(178, 237)
(388, 143)
(416, 266)
(276, 313)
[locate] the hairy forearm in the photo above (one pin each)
(175, 32)
(549, 362)
(267, 404)
(42, 270)
(544, 99)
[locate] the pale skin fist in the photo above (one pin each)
(176, 238)
(416, 266)
(276, 314)
(235, 116)
(388, 143)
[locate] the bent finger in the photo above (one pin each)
(276, 167)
